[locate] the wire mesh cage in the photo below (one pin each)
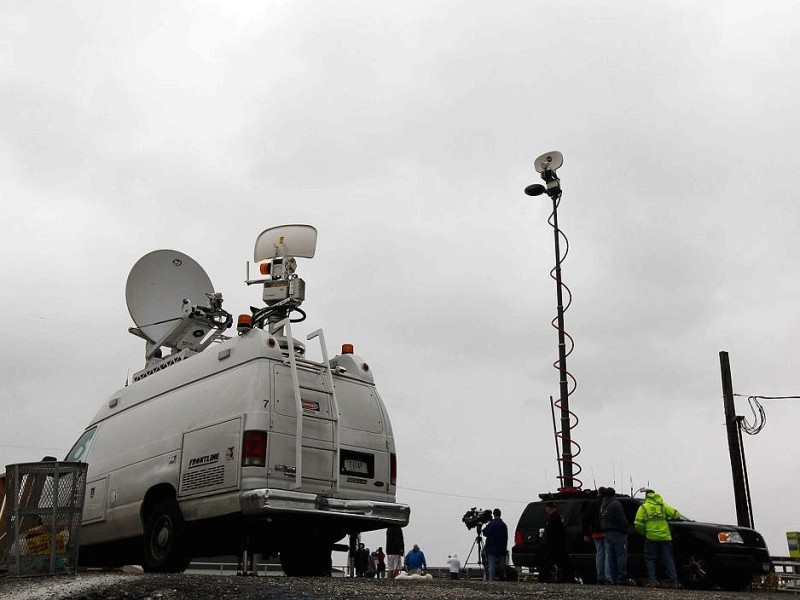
(44, 502)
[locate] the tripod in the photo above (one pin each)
(479, 543)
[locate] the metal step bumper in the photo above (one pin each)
(263, 502)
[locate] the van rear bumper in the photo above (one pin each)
(263, 502)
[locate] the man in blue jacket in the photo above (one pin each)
(415, 561)
(496, 546)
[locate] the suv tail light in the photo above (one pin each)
(254, 449)
(518, 538)
(392, 469)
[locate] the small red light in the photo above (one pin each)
(271, 342)
(264, 268)
(365, 366)
(517, 538)
(347, 348)
(254, 449)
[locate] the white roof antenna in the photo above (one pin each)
(172, 302)
(276, 250)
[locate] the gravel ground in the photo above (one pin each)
(117, 586)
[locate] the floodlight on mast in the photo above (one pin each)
(276, 251)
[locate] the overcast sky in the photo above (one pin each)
(406, 132)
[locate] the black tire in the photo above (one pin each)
(164, 543)
(509, 573)
(552, 574)
(589, 577)
(695, 569)
(733, 581)
(312, 561)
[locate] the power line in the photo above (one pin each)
(435, 493)
(32, 447)
(759, 415)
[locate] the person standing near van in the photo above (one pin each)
(395, 549)
(415, 561)
(651, 522)
(593, 532)
(615, 527)
(557, 563)
(496, 546)
(454, 565)
(372, 565)
(380, 556)
(361, 560)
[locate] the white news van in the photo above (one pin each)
(234, 445)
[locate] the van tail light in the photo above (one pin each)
(254, 449)
(393, 469)
(517, 538)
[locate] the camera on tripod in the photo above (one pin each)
(475, 517)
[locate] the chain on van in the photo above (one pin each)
(234, 444)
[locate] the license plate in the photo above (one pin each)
(356, 466)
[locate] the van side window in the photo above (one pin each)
(78, 451)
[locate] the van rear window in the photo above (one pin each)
(358, 406)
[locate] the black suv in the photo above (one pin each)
(705, 554)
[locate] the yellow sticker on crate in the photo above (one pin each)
(40, 544)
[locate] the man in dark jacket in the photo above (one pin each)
(496, 546)
(557, 563)
(615, 526)
(395, 549)
(361, 560)
(593, 532)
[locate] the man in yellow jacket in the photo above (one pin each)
(652, 522)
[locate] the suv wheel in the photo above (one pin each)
(695, 569)
(734, 582)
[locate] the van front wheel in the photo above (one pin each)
(164, 539)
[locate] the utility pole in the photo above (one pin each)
(733, 425)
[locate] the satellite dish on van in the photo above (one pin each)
(286, 240)
(158, 286)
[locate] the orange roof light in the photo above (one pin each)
(347, 348)
(244, 322)
(264, 268)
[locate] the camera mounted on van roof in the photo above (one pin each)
(276, 252)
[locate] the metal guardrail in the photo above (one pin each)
(786, 577)
(271, 569)
(787, 574)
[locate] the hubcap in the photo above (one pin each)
(161, 539)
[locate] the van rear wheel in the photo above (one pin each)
(312, 561)
(164, 548)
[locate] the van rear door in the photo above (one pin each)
(318, 468)
(364, 463)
